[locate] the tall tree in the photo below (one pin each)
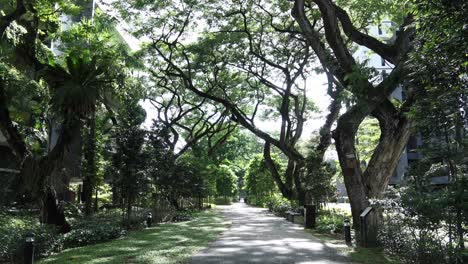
(226, 181)
(253, 59)
(335, 55)
(259, 183)
(72, 86)
(129, 160)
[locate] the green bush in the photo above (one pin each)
(330, 221)
(136, 221)
(420, 222)
(91, 232)
(85, 231)
(262, 201)
(278, 204)
(222, 201)
(13, 230)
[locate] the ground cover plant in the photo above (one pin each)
(164, 243)
(13, 229)
(85, 231)
(332, 221)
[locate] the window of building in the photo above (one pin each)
(382, 61)
(379, 28)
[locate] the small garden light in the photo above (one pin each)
(149, 219)
(29, 248)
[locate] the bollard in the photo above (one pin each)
(29, 249)
(149, 219)
(347, 231)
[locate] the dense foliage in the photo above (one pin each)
(429, 215)
(259, 183)
(424, 223)
(86, 231)
(74, 99)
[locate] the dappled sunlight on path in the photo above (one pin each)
(259, 237)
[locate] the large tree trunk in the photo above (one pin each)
(87, 195)
(116, 196)
(344, 136)
(395, 132)
(372, 183)
(51, 212)
(298, 184)
(36, 175)
(174, 202)
(129, 211)
(89, 180)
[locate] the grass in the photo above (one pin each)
(370, 256)
(355, 254)
(164, 243)
(327, 220)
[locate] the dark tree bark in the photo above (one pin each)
(285, 189)
(89, 180)
(87, 195)
(52, 213)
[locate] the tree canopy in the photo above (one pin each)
(214, 71)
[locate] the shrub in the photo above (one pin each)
(402, 239)
(92, 230)
(420, 224)
(185, 215)
(261, 201)
(278, 204)
(13, 230)
(331, 221)
(222, 201)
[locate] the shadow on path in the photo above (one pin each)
(258, 237)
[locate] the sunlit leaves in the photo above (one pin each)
(258, 179)
(367, 138)
(371, 12)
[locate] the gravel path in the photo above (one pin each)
(258, 237)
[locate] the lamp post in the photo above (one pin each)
(149, 219)
(29, 249)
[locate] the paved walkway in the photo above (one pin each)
(258, 237)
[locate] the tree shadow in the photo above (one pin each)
(164, 243)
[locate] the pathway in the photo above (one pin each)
(258, 237)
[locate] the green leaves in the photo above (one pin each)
(367, 12)
(259, 182)
(226, 181)
(367, 138)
